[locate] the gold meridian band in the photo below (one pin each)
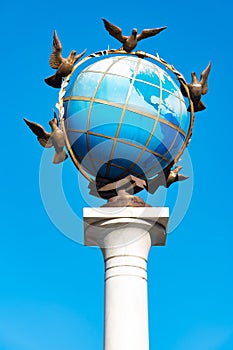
(136, 79)
(122, 115)
(128, 108)
(156, 119)
(170, 67)
(71, 153)
(92, 159)
(134, 172)
(91, 104)
(115, 139)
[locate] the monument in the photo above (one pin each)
(123, 118)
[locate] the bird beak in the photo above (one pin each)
(55, 118)
(73, 53)
(178, 168)
(194, 75)
(175, 171)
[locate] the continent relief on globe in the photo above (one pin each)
(124, 115)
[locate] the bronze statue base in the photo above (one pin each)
(107, 189)
(119, 193)
(126, 200)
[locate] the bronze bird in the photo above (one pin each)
(174, 176)
(197, 89)
(130, 42)
(54, 139)
(166, 178)
(63, 65)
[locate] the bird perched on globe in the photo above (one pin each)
(53, 139)
(123, 117)
(197, 89)
(130, 42)
(63, 65)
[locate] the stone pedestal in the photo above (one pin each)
(125, 236)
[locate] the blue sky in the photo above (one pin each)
(51, 288)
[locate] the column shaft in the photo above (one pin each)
(125, 243)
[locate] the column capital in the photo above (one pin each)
(99, 222)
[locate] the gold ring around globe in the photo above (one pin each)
(143, 54)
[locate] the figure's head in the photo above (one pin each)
(53, 122)
(194, 78)
(71, 57)
(134, 32)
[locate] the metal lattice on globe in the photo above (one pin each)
(124, 115)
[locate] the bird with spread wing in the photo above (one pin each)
(54, 139)
(130, 42)
(63, 65)
(197, 88)
(166, 178)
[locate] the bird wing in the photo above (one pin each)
(42, 136)
(77, 57)
(203, 79)
(115, 31)
(56, 58)
(182, 177)
(146, 33)
(205, 73)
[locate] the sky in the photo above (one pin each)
(51, 287)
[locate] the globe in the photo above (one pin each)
(124, 115)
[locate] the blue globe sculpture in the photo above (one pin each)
(124, 115)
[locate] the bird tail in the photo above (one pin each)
(59, 157)
(54, 81)
(200, 107)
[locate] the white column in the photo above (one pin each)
(125, 236)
